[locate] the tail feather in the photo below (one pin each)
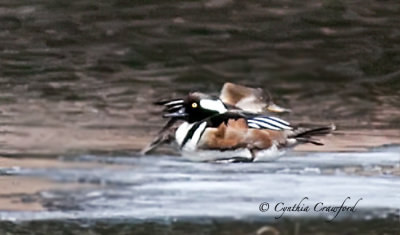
(306, 136)
(309, 140)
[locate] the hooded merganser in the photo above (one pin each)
(211, 131)
(249, 99)
(235, 97)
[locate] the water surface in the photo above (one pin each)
(169, 188)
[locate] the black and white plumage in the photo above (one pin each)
(231, 126)
(211, 131)
(236, 98)
(268, 122)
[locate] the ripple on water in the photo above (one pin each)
(149, 187)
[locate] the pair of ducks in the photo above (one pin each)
(232, 127)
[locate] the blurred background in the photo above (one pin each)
(88, 72)
(78, 78)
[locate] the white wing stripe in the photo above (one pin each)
(265, 125)
(253, 125)
(270, 120)
(280, 120)
(274, 123)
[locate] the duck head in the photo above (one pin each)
(195, 107)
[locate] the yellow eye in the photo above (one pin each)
(194, 105)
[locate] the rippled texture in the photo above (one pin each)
(376, 226)
(82, 70)
(167, 188)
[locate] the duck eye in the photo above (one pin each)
(194, 105)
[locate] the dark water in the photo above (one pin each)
(376, 226)
(78, 77)
(99, 64)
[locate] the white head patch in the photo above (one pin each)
(216, 105)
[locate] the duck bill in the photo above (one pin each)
(181, 113)
(277, 109)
